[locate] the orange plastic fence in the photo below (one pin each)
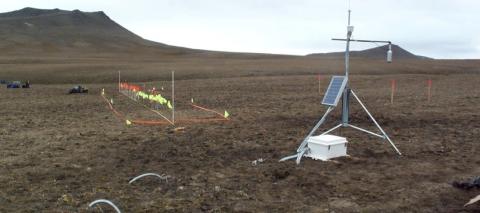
(165, 122)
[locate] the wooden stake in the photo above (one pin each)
(394, 86)
(429, 90)
(319, 77)
(119, 81)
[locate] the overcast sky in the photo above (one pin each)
(434, 28)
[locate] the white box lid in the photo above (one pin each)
(327, 139)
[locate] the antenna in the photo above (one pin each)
(349, 4)
(339, 87)
(349, 14)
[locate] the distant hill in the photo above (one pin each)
(32, 31)
(376, 53)
(45, 31)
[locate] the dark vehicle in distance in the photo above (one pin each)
(78, 89)
(18, 84)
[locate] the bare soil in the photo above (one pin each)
(60, 152)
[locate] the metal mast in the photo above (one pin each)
(346, 92)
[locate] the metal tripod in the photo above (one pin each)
(303, 149)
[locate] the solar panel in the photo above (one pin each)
(334, 91)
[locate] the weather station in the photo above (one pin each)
(326, 146)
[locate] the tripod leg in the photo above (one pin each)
(374, 121)
(334, 128)
(301, 153)
(366, 131)
(301, 149)
(299, 157)
(304, 142)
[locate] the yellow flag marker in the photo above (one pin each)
(128, 122)
(103, 91)
(162, 88)
(192, 100)
(169, 105)
(226, 114)
(111, 100)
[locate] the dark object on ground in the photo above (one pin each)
(78, 89)
(13, 84)
(18, 84)
(3, 81)
(474, 183)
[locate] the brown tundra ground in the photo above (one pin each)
(59, 152)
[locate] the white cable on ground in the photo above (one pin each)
(473, 200)
(162, 177)
(104, 201)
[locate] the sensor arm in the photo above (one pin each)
(358, 40)
(389, 52)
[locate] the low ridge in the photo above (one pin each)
(376, 53)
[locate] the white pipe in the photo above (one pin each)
(104, 201)
(288, 157)
(162, 177)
